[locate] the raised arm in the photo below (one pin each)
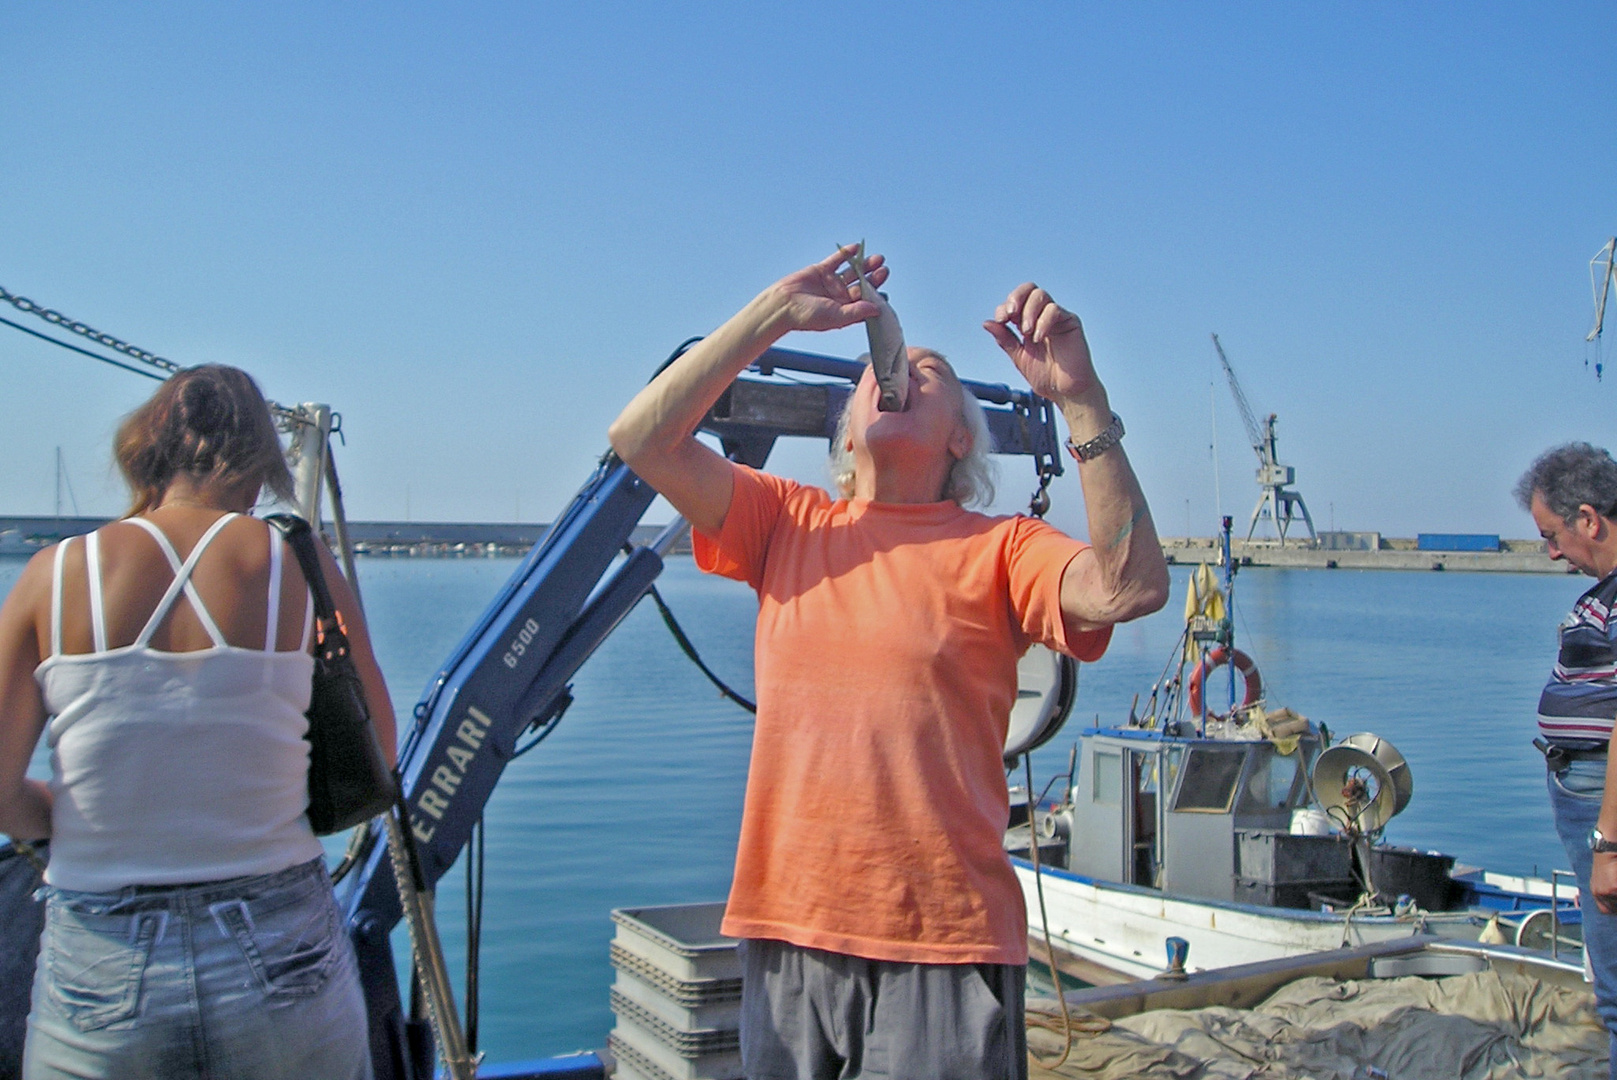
(655, 434)
(1123, 575)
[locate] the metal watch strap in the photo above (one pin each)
(1101, 443)
(1599, 844)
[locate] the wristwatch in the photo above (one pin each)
(1599, 844)
(1101, 443)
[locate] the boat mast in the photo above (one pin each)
(64, 480)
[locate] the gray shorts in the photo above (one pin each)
(807, 1014)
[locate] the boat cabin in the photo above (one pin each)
(1200, 817)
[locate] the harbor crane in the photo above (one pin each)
(1281, 504)
(1602, 270)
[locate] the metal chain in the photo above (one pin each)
(56, 318)
(288, 416)
(1039, 504)
(427, 951)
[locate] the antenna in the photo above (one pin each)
(63, 479)
(1212, 408)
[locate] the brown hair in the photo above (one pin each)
(209, 422)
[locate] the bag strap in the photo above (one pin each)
(301, 540)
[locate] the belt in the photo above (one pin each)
(1557, 758)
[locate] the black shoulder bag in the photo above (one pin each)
(349, 780)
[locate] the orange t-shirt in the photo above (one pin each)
(887, 642)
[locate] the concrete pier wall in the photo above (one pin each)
(488, 538)
(1515, 556)
(453, 538)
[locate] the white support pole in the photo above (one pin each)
(310, 433)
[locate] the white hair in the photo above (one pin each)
(971, 478)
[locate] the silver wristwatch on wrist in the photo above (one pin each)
(1101, 443)
(1599, 844)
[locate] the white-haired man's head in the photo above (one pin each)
(970, 479)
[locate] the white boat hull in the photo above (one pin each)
(1124, 928)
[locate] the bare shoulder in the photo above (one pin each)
(35, 578)
(29, 599)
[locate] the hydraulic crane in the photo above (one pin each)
(1278, 502)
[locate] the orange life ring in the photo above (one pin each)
(1243, 663)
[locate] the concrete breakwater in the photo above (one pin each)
(1513, 556)
(419, 539)
(463, 539)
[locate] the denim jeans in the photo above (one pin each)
(250, 978)
(1575, 794)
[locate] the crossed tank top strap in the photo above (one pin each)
(56, 599)
(272, 620)
(98, 611)
(272, 623)
(182, 580)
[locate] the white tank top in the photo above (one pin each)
(170, 768)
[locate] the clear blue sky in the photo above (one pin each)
(475, 229)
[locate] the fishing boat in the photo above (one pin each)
(1245, 831)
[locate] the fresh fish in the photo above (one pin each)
(888, 357)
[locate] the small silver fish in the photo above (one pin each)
(888, 357)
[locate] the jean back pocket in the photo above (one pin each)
(290, 947)
(97, 962)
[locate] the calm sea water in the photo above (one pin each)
(635, 799)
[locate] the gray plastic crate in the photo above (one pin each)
(689, 993)
(677, 997)
(686, 1041)
(682, 940)
(647, 1055)
(720, 1015)
(626, 1070)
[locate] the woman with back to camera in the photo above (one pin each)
(190, 926)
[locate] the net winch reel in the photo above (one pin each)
(1362, 783)
(1046, 688)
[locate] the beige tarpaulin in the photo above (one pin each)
(1202, 598)
(1486, 1026)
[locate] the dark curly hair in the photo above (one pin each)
(208, 422)
(1567, 477)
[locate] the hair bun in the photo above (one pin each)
(203, 408)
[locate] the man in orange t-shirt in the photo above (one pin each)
(885, 931)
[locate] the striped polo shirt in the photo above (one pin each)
(1580, 700)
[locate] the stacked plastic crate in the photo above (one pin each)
(677, 996)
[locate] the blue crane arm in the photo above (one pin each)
(512, 672)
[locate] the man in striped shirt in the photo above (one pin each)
(1571, 491)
